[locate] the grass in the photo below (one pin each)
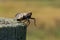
(44, 35)
(47, 14)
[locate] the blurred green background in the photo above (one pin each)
(46, 12)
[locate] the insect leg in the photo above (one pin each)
(34, 20)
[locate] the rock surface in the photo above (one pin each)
(5, 22)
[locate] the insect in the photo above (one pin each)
(25, 16)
